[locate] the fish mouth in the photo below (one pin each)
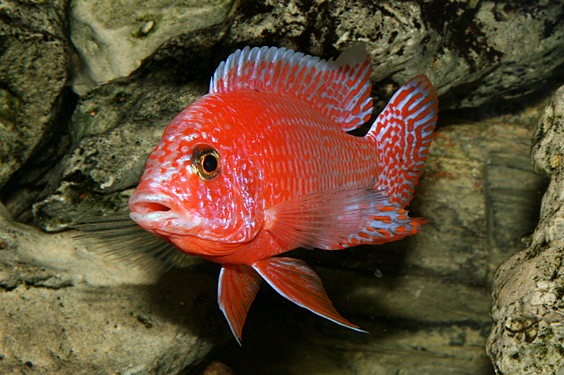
(156, 213)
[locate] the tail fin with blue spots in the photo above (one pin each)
(403, 136)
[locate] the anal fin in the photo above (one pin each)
(238, 286)
(294, 280)
(382, 223)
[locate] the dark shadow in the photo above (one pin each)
(169, 298)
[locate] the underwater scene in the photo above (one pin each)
(281, 187)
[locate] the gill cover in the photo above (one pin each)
(206, 176)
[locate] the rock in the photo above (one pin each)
(463, 55)
(424, 299)
(113, 37)
(527, 333)
(461, 46)
(546, 154)
(66, 310)
(33, 71)
(114, 129)
(217, 368)
(4, 212)
(527, 293)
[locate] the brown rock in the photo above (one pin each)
(66, 310)
(527, 292)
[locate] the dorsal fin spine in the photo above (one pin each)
(311, 88)
(339, 89)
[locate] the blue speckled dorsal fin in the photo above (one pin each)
(339, 89)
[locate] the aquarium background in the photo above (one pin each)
(88, 87)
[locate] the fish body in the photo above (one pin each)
(262, 165)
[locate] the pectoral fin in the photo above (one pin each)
(338, 218)
(238, 286)
(294, 280)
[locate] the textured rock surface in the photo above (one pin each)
(471, 50)
(64, 310)
(115, 128)
(528, 308)
(425, 300)
(33, 70)
(113, 37)
(466, 56)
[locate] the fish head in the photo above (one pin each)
(200, 190)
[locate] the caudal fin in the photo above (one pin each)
(403, 136)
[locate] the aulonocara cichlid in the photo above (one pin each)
(262, 165)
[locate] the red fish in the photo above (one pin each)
(262, 165)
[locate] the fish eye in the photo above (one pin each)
(206, 162)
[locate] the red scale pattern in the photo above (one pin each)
(290, 176)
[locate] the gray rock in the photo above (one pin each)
(461, 46)
(424, 299)
(527, 313)
(113, 37)
(394, 33)
(108, 115)
(33, 71)
(527, 294)
(547, 154)
(114, 129)
(67, 310)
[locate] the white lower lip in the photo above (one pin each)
(163, 222)
(151, 198)
(166, 222)
(154, 216)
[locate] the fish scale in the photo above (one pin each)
(262, 165)
(290, 142)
